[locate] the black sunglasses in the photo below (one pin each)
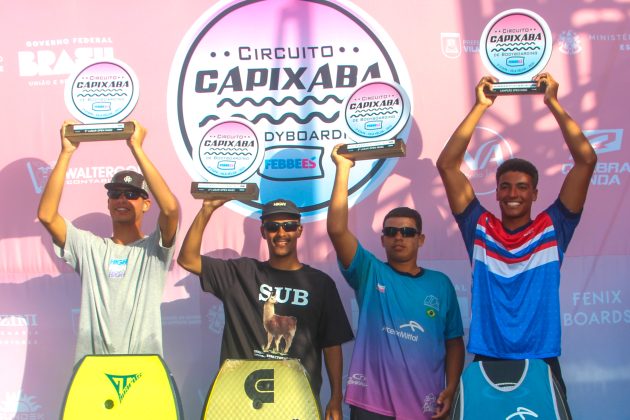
(287, 226)
(129, 194)
(406, 232)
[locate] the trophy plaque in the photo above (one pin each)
(101, 95)
(375, 113)
(515, 46)
(229, 153)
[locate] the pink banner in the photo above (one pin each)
(286, 66)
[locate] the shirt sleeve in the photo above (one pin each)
(219, 276)
(76, 240)
(564, 223)
(335, 328)
(163, 253)
(356, 272)
(453, 325)
(467, 222)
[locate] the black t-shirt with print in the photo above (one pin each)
(308, 312)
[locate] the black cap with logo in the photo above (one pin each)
(128, 180)
(280, 206)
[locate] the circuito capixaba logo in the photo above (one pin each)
(285, 66)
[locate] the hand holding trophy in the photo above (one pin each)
(515, 46)
(375, 113)
(229, 153)
(101, 95)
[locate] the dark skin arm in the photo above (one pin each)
(459, 190)
(333, 358)
(454, 364)
(189, 256)
(576, 183)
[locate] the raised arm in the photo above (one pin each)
(190, 253)
(333, 358)
(577, 181)
(459, 190)
(344, 242)
(169, 208)
(48, 212)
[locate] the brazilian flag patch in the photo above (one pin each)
(431, 313)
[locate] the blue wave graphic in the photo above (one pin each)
(514, 49)
(237, 149)
(370, 114)
(103, 90)
(509, 44)
(226, 154)
(100, 94)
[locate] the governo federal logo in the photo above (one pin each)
(286, 67)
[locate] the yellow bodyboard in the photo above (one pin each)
(121, 387)
(261, 389)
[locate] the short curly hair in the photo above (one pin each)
(518, 165)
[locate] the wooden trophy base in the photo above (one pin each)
(97, 132)
(515, 88)
(224, 191)
(373, 149)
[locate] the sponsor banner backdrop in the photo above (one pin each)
(287, 66)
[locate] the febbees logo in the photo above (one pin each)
(288, 75)
(292, 163)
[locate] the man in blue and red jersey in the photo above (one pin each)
(516, 259)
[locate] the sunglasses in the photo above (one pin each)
(406, 232)
(129, 194)
(287, 226)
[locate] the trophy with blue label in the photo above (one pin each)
(374, 115)
(227, 155)
(101, 95)
(515, 46)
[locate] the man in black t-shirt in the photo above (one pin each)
(276, 309)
